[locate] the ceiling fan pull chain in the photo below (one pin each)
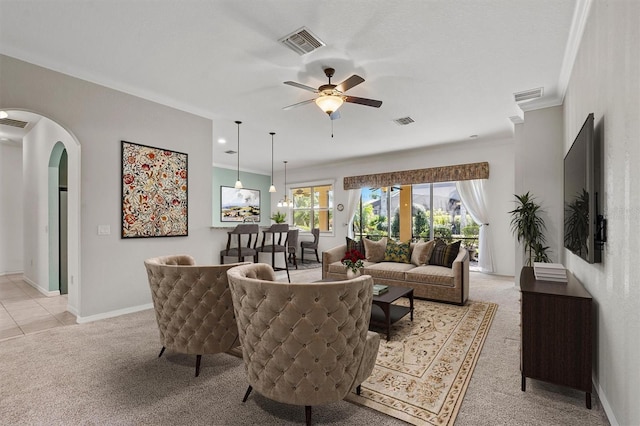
(332, 128)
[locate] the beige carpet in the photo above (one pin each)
(422, 373)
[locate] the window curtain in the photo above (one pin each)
(352, 205)
(473, 197)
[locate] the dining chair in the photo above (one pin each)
(292, 244)
(247, 232)
(277, 234)
(311, 245)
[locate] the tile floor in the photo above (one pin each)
(24, 310)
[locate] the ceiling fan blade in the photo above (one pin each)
(352, 81)
(334, 115)
(301, 86)
(363, 101)
(308, 101)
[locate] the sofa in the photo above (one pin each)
(428, 281)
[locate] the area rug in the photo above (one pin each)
(422, 373)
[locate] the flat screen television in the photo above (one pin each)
(583, 226)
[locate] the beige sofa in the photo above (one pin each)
(428, 281)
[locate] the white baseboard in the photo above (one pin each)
(605, 403)
(2, 274)
(111, 314)
(40, 289)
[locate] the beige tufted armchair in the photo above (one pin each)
(303, 344)
(193, 306)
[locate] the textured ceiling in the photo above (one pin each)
(452, 66)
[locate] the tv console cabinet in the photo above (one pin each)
(557, 332)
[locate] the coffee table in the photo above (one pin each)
(384, 312)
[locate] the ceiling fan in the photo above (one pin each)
(331, 96)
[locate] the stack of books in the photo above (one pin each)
(550, 272)
(379, 289)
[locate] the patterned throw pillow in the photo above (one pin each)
(357, 245)
(444, 254)
(422, 252)
(375, 249)
(397, 252)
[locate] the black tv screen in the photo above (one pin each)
(581, 190)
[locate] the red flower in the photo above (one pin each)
(353, 259)
(128, 179)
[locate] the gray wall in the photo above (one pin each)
(606, 81)
(11, 211)
(112, 275)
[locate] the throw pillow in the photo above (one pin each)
(374, 250)
(355, 245)
(422, 252)
(444, 254)
(397, 252)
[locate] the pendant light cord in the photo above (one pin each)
(238, 123)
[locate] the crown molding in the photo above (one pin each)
(578, 24)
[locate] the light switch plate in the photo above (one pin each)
(104, 230)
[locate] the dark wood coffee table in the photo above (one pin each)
(384, 312)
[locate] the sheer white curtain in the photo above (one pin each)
(352, 205)
(472, 196)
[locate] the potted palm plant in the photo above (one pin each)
(528, 227)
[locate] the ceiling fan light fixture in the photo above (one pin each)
(329, 103)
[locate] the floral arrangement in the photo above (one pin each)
(353, 260)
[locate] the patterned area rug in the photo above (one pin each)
(422, 373)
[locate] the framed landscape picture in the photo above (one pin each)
(154, 192)
(239, 205)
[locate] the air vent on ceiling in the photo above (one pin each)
(528, 94)
(231, 152)
(13, 123)
(302, 41)
(403, 121)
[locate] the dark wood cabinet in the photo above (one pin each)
(557, 332)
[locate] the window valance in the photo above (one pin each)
(410, 177)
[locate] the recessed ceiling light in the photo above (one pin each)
(3, 114)
(222, 141)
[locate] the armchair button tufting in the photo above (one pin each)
(304, 315)
(316, 299)
(304, 345)
(289, 299)
(317, 360)
(317, 330)
(317, 388)
(291, 329)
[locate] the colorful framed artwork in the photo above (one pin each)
(154, 192)
(239, 205)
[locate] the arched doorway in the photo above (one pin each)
(51, 164)
(58, 219)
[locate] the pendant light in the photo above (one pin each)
(286, 202)
(272, 188)
(238, 184)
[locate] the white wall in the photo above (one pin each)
(11, 210)
(111, 272)
(540, 172)
(606, 81)
(499, 154)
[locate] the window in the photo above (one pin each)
(411, 212)
(313, 207)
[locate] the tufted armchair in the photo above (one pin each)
(193, 306)
(303, 344)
